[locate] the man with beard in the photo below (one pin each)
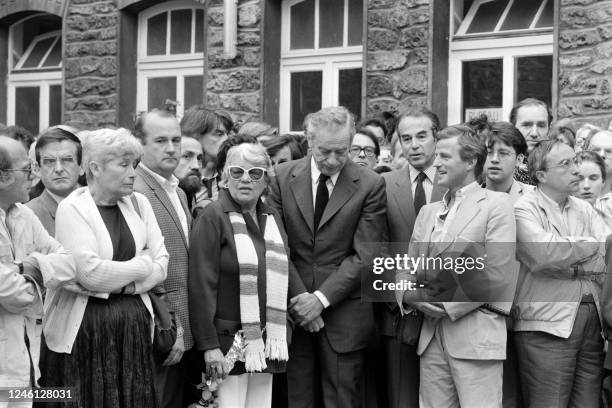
(160, 134)
(189, 169)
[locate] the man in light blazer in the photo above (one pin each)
(58, 154)
(160, 134)
(330, 239)
(463, 343)
(417, 135)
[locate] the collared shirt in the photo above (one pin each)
(315, 173)
(430, 172)
(170, 187)
(210, 189)
(57, 198)
(445, 217)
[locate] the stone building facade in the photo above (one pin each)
(390, 55)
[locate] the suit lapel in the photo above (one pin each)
(301, 187)
(342, 192)
(402, 194)
(183, 200)
(163, 198)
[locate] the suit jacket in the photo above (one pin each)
(45, 207)
(176, 244)
(333, 259)
(485, 217)
(400, 223)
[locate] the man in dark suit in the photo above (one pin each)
(160, 134)
(408, 189)
(332, 210)
(58, 154)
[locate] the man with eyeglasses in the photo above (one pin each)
(334, 214)
(408, 190)
(506, 150)
(365, 148)
(27, 253)
(160, 135)
(58, 154)
(561, 248)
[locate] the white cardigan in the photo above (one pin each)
(79, 228)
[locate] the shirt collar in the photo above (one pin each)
(430, 172)
(315, 173)
(171, 184)
(549, 202)
(462, 192)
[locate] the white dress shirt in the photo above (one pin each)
(430, 172)
(330, 183)
(170, 187)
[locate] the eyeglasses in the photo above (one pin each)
(368, 151)
(255, 173)
(49, 162)
(27, 170)
(567, 163)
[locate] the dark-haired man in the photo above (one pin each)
(58, 154)
(189, 169)
(561, 248)
(462, 344)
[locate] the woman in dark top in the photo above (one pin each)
(100, 340)
(239, 279)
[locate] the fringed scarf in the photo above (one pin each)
(277, 280)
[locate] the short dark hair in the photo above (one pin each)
(20, 134)
(367, 132)
(139, 132)
(529, 102)
(275, 144)
(422, 111)
(481, 126)
(56, 134)
(199, 120)
(507, 133)
(537, 157)
(227, 144)
(594, 158)
(470, 146)
(377, 123)
(565, 131)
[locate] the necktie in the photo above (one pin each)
(419, 193)
(321, 199)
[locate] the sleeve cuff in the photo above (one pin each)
(322, 298)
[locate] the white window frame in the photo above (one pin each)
(36, 40)
(328, 60)
(169, 65)
(43, 78)
(482, 46)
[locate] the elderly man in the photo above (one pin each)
(28, 256)
(408, 190)
(463, 344)
(561, 249)
(189, 169)
(331, 209)
(160, 134)
(58, 154)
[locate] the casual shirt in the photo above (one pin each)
(445, 217)
(170, 187)
(428, 182)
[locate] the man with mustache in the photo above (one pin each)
(561, 248)
(160, 134)
(189, 169)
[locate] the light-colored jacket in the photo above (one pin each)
(20, 306)
(559, 262)
(80, 228)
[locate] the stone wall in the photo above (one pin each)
(397, 54)
(235, 84)
(90, 63)
(585, 61)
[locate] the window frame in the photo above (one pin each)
(36, 40)
(329, 61)
(168, 65)
(41, 77)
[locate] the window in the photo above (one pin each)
(35, 73)
(501, 53)
(321, 58)
(170, 56)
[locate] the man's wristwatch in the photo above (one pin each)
(20, 265)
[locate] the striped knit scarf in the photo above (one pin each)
(277, 278)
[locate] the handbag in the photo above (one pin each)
(408, 327)
(164, 331)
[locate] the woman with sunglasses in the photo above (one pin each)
(239, 280)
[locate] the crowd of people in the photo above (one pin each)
(257, 245)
